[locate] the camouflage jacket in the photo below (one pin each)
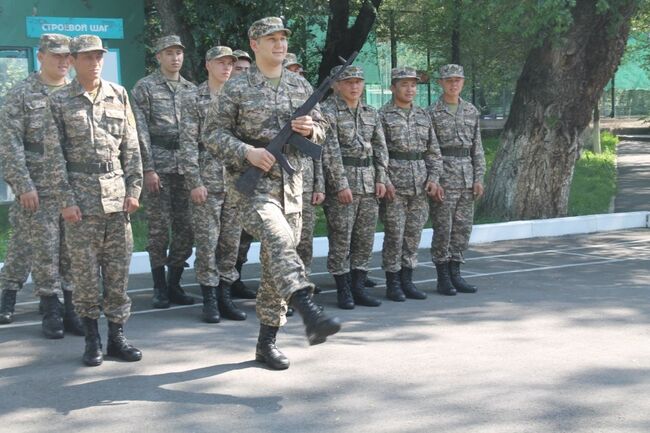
(410, 131)
(22, 137)
(157, 110)
(354, 134)
(459, 131)
(200, 167)
(90, 132)
(312, 176)
(251, 108)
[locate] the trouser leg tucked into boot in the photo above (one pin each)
(210, 309)
(445, 287)
(52, 319)
(7, 305)
(227, 307)
(118, 346)
(267, 352)
(174, 290)
(409, 289)
(318, 326)
(93, 352)
(343, 293)
(41, 306)
(160, 297)
(71, 321)
(394, 288)
(239, 289)
(359, 292)
(459, 282)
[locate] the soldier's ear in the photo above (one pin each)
(253, 44)
(158, 56)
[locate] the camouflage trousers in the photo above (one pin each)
(452, 225)
(36, 244)
(283, 273)
(404, 218)
(245, 242)
(216, 235)
(351, 233)
(306, 245)
(170, 208)
(100, 247)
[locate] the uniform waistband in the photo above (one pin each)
(458, 152)
(169, 142)
(405, 156)
(33, 147)
(94, 167)
(357, 162)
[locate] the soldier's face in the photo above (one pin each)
(404, 90)
(241, 66)
(270, 49)
(171, 59)
(452, 86)
(54, 65)
(220, 69)
(350, 89)
(88, 65)
(295, 68)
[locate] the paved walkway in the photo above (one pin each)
(633, 176)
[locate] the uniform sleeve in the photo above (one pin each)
(432, 156)
(319, 178)
(384, 126)
(188, 153)
(142, 112)
(320, 123)
(332, 160)
(380, 153)
(54, 155)
(130, 153)
(478, 157)
(12, 150)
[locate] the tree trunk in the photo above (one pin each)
(342, 40)
(455, 32)
(556, 93)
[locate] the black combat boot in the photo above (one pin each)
(93, 352)
(369, 282)
(227, 307)
(459, 282)
(359, 293)
(7, 305)
(445, 287)
(267, 352)
(210, 309)
(52, 324)
(41, 306)
(175, 292)
(239, 289)
(393, 287)
(318, 326)
(160, 298)
(343, 294)
(118, 346)
(409, 289)
(71, 321)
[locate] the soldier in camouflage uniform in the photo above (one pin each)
(243, 62)
(99, 178)
(36, 240)
(291, 63)
(413, 169)
(157, 109)
(252, 109)
(355, 172)
(214, 218)
(457, 127)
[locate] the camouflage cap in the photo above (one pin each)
(219, 52)
(350, 72)
(85, 43)
(291, 59)
(241, 54)
(168, 41)
(54, 43)
(403, 73)
(450, 71)
(266, 26)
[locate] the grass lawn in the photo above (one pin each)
(594, 185)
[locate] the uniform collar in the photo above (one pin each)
(441, 105)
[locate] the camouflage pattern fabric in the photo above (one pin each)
(167, 41)
(451, 70)
(403, 73)
(91, 131)
(354, 134)
(54, 43)
(245, 242)
(266, 26)
(86, 43)
(409, 133)
(313, 181)
(251, 108)
(452, 225)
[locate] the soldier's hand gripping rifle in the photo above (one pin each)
(248, 180)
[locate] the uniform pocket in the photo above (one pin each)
(113, 193)
(114, 121)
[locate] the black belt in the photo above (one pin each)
(357, 162)
(93, 167)
(169, 142)
(34, 147)
(405, 156)
(454, 151)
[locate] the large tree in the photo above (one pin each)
(562, 80)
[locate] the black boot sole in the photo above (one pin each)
(446, 293)
(323, 330)
(119, 355)
(5, 320)
(274, 366)
(93, 362)
(211, 319)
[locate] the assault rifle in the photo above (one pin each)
(249, 179)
